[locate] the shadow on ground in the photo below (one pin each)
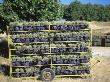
(5, 70)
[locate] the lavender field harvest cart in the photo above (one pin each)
(49, 49)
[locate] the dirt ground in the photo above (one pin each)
(101, 51)
(100, 71)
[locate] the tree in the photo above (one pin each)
(6, 17)
(34, 10)
(29, 10)
(88, 12)
(74, 11)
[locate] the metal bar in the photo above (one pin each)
(73, 75)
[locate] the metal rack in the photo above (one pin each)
(51, 64)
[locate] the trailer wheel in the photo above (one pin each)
(47, 75)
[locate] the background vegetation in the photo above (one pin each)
(88, 12)
(29, 10)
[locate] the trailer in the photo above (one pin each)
(49, 49)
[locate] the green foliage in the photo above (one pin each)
(2, 21)
(88, 12)
(6, 17)
(29, 10)
(34, 10)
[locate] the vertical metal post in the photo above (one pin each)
(50, 45)
(8, 32)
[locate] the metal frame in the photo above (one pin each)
(45, 53)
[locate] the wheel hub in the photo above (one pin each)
(47, 75)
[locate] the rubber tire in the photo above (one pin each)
(49, 71)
